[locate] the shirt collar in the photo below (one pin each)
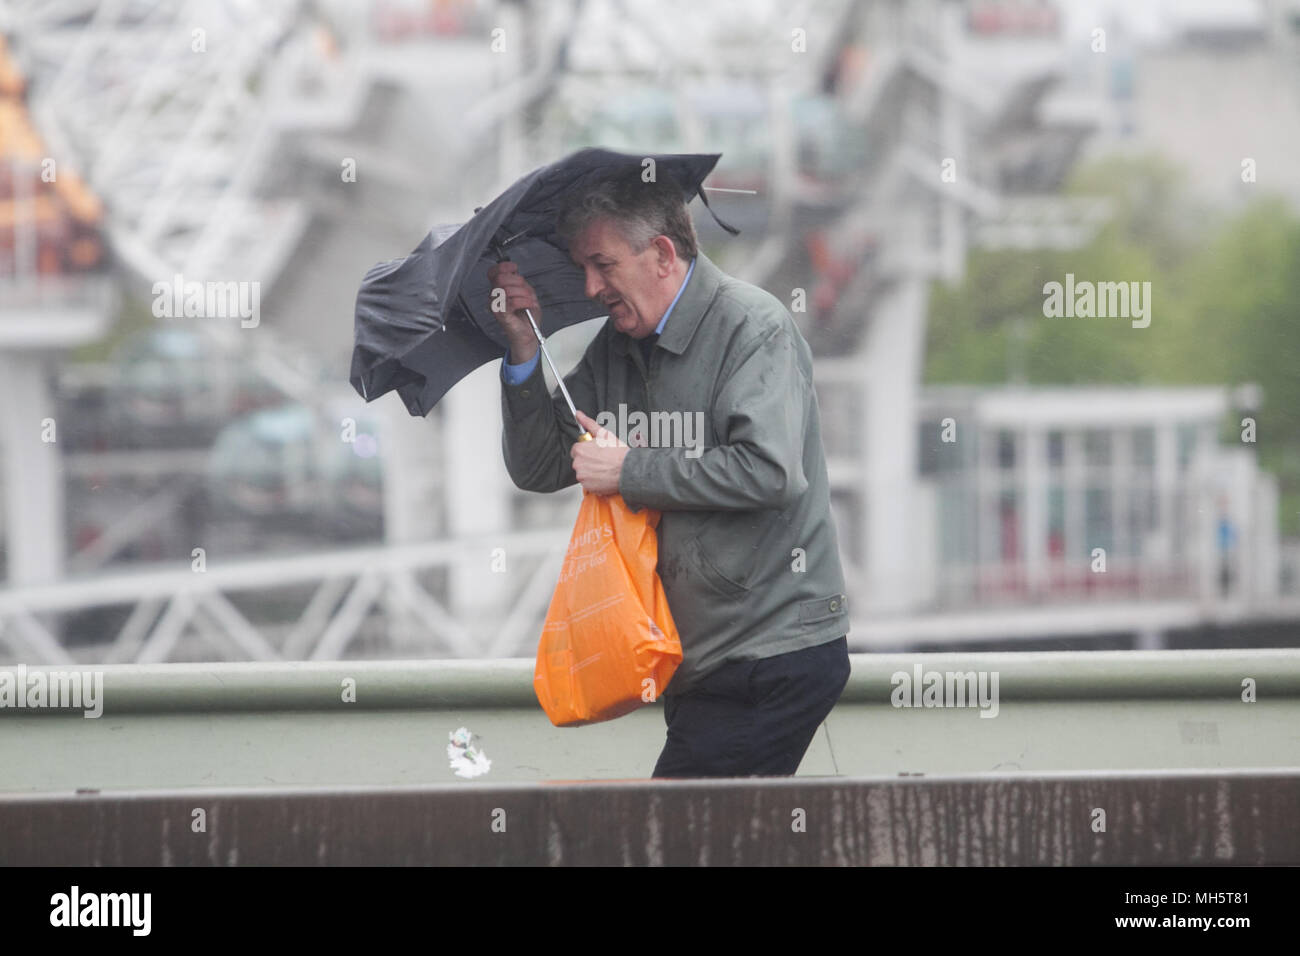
(660, 328)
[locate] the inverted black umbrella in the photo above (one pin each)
(424, 322)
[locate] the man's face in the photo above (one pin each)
(632, 284)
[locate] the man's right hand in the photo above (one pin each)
(508, 310)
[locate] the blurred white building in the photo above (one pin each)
(1067, 494)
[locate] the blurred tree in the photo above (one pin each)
(1223, 294)
(1245, 285)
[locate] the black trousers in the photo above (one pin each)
(753, 718)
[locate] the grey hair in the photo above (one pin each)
(640, 210)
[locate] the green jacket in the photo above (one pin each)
(748, 554)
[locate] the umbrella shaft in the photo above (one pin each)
(541, 343)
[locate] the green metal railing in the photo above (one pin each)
(376, 724)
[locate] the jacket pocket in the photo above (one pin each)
(720, 581)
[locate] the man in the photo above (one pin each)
(747, 551)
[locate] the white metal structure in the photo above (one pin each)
(180, 131)
(164, 107)
(345, 586)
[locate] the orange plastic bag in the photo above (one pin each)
(609, 644)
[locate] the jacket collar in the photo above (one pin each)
(689, 311)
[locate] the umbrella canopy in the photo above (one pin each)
(424, 322)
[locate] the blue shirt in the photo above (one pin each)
(514, 374)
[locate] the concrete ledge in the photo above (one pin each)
(1229, 818)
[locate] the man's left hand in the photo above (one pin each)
(598, 463)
